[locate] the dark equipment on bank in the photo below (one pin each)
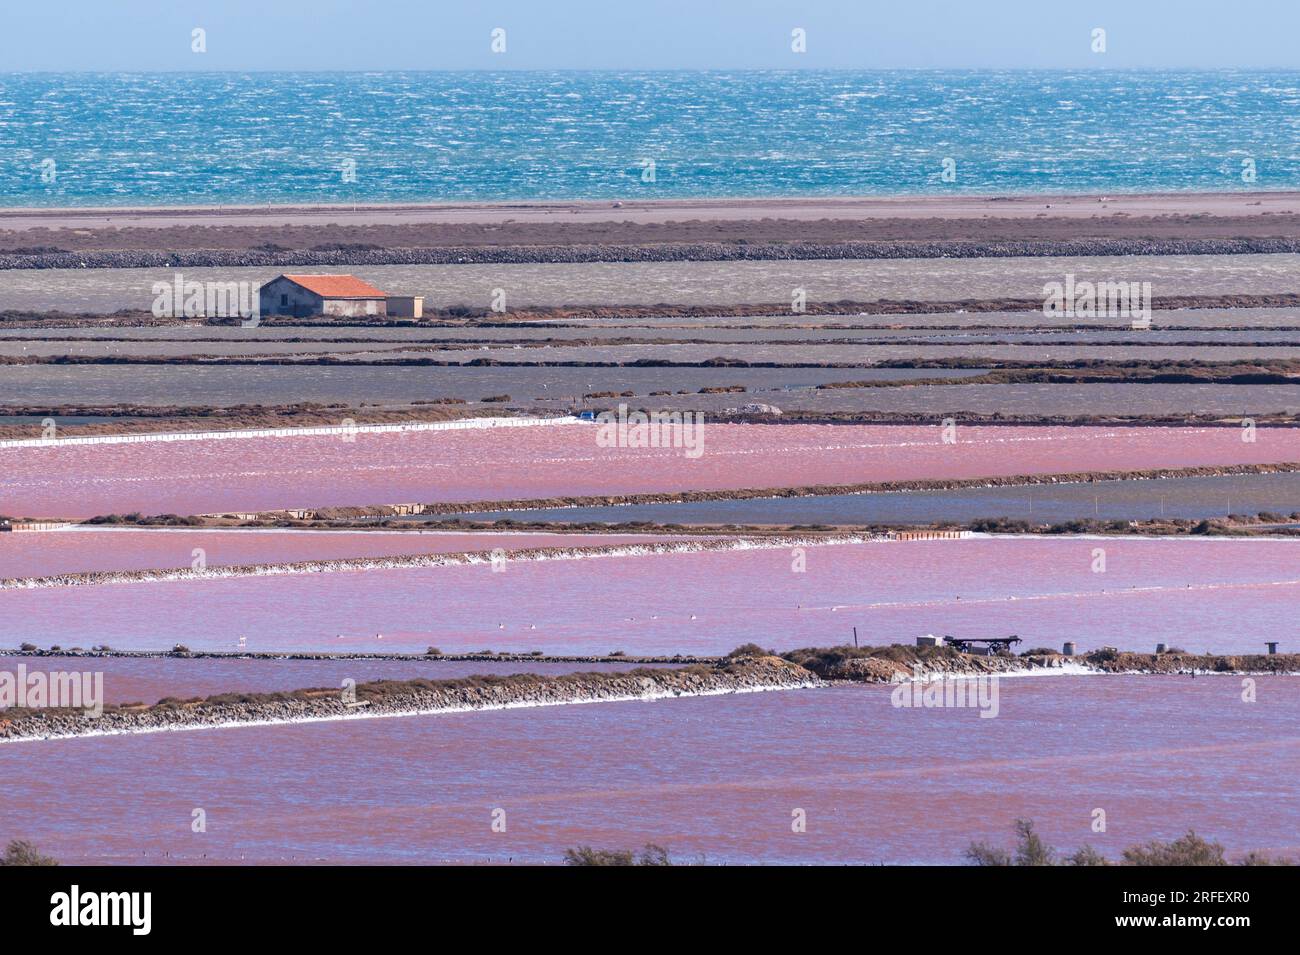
(982, 646)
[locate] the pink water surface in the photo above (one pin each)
(718, 776)
(73, 550)
(264, 473)
(1222, 595)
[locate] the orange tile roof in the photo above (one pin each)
(336, 286)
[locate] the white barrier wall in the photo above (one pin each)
(467, 424)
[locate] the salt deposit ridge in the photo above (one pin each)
(343, 430)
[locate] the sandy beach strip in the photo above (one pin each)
(980, 220)
(1235, 203)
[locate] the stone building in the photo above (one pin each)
(345, 296)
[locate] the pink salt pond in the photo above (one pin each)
(189, 477)
(712, 776)
(77, 550)
(1220, 595)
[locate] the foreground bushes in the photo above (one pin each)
(24, 853)
(650, 854)
(1030, 849)
(822, 660)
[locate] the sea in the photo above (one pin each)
(105, 139)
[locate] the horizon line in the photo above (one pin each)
(677, 69)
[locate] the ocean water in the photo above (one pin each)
(120, 139)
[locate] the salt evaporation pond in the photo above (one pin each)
(218, 385)
(188, 477)
(717, 776)
(693, 283)
(1194, 498)
(1217, 594)
(77, 549)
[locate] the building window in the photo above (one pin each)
(284, 300)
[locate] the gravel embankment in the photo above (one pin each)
(411, 697)
(897, 663)
(406, 561)
(665, 252)
(870, 487)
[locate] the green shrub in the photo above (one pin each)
(1087, 856)
(1257, 858)
(19, 852)
(650, 854)
(1190, 849)
(1030, 850)
(981, 853)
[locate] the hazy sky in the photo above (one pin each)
(644, 34)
